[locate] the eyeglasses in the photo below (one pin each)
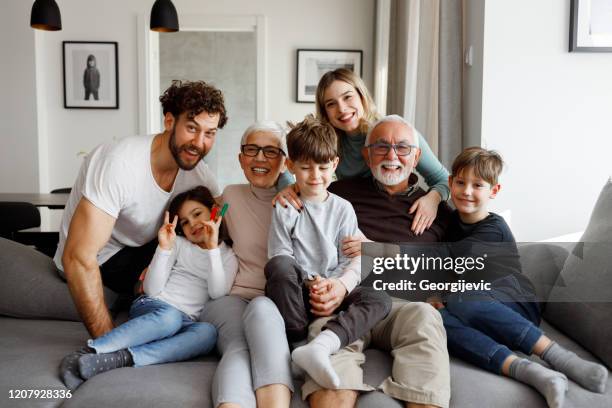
(382, 149)
(252, 150)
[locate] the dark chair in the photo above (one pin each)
(18, 216)
(65, 190)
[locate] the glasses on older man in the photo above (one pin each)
(252, 150)
(382, 149)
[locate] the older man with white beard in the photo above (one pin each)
(382, 201)
(413, 331)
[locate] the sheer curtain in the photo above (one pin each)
(424, 70)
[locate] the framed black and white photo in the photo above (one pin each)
(91, 75)
(312, 64)
(591, 26)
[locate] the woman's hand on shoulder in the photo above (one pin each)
(351, 245)
(425, 210)
(167, 234)
(289, 195)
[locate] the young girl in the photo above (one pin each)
(186, 271)
(343, 100)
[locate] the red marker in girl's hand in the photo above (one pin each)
(213, 213)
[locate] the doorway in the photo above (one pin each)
(227, 52)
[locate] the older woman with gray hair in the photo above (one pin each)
(252, 341)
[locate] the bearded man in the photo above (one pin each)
(382, 201)
(413, 331)
(116, 206)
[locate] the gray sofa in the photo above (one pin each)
(39, 325)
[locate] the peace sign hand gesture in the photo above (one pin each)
(211, 232)
(167, 234)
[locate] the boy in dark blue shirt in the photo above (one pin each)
(483, 327)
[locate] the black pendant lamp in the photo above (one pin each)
(46, 16)
(163, 17)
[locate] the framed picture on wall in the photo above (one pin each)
(312, 64)
(591, 26)
(91, 75)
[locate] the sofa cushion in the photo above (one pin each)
(185, 384)
(580, 304)
(541, 263)
(31, 287)
(31, 351)
(30, 354)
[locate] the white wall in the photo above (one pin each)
(18, 120)
(290, 25)
(548, 112)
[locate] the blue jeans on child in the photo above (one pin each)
(484, 331)
(156, 333)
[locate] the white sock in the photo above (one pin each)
(314, 359)
(328, 339)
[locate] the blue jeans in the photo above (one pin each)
(157, 333)
(484, 331)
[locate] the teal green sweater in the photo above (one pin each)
(352, 164)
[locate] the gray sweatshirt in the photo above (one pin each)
(314, 238)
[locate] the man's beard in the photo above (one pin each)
(391, 179)
(176, 152)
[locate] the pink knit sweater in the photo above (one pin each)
(248, 221)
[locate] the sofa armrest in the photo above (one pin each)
(31, 287)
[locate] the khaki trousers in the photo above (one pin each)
(414, 334)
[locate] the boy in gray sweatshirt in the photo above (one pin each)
(307, 275)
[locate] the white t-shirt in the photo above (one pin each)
(117, 178)
(187, 276)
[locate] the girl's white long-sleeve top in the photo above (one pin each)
(187, 276)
